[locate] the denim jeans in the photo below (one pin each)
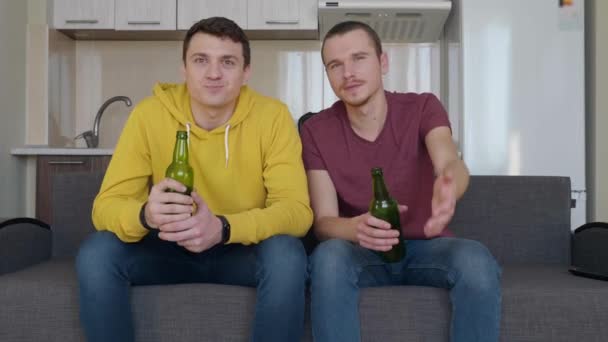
(339, 268)
(107, 268)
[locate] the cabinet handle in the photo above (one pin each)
(66, 162)
(143, 22)
(282, 22)
(81, 21)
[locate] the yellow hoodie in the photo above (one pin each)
(249, 169)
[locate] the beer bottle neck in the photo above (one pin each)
(380, 191)
(180, 153)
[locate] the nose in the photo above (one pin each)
(349, 70)
(214, 71)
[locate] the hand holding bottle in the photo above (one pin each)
(165, 207)
(376, 234)
(385, 208)
(197, 233)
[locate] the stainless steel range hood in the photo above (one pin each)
(405, 21)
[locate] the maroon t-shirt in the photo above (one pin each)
(329, 143)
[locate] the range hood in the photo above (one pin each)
(403, 21)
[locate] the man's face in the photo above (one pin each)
(353, 67)
(214, 70)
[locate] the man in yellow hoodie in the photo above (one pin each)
(240, 224)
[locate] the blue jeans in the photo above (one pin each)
(107, 268)
(338, 269)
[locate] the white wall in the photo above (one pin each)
(13, 19)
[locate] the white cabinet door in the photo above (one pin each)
(192, 11)
(282, 15)
(145, 14)
(83, 14)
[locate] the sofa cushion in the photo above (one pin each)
(41, 304)
(547, 303)
(540, 303)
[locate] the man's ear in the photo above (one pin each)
(246, 74)
(183, 71)
(384, 63)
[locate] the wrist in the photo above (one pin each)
(224, 229)
(142, 217)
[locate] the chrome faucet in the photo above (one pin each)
(92, 137)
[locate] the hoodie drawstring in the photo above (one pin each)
(227, 153)
(188, 133)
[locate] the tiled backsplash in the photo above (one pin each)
(83, 74)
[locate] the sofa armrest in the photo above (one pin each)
(23, 242)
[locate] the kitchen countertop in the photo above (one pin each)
(42, 150)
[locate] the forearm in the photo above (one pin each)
(331, 227)
(290, 217)
(120, 216)
(459, 171)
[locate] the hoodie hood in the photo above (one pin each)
(176, 99)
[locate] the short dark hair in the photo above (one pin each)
(348, 26)
(222, 28)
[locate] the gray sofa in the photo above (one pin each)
(525, 222)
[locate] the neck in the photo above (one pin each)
(367, 119)
(209, 117)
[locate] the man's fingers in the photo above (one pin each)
(435, 225)
(173, 197)
(177, 226)
(376, 244)
(176, 209)
(168, 184)
(198, 199)
(165, 219)
(376, 248)
(178, 236)
(402, 208)
(160, 209)
(378, 233)
(378, 223)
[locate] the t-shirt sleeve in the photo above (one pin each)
(310, 151)
(433, 115)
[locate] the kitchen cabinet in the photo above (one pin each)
(191, 11)
(168, 19)
(48, 166)
(282, 15)
(83, 14)
(145, 15)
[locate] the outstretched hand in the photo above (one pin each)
(443, 205)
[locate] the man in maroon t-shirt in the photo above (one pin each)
(409, 137)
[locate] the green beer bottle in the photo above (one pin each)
(180, 169)
(385, 208)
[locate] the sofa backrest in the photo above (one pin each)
(521, 219)
(73, 195)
